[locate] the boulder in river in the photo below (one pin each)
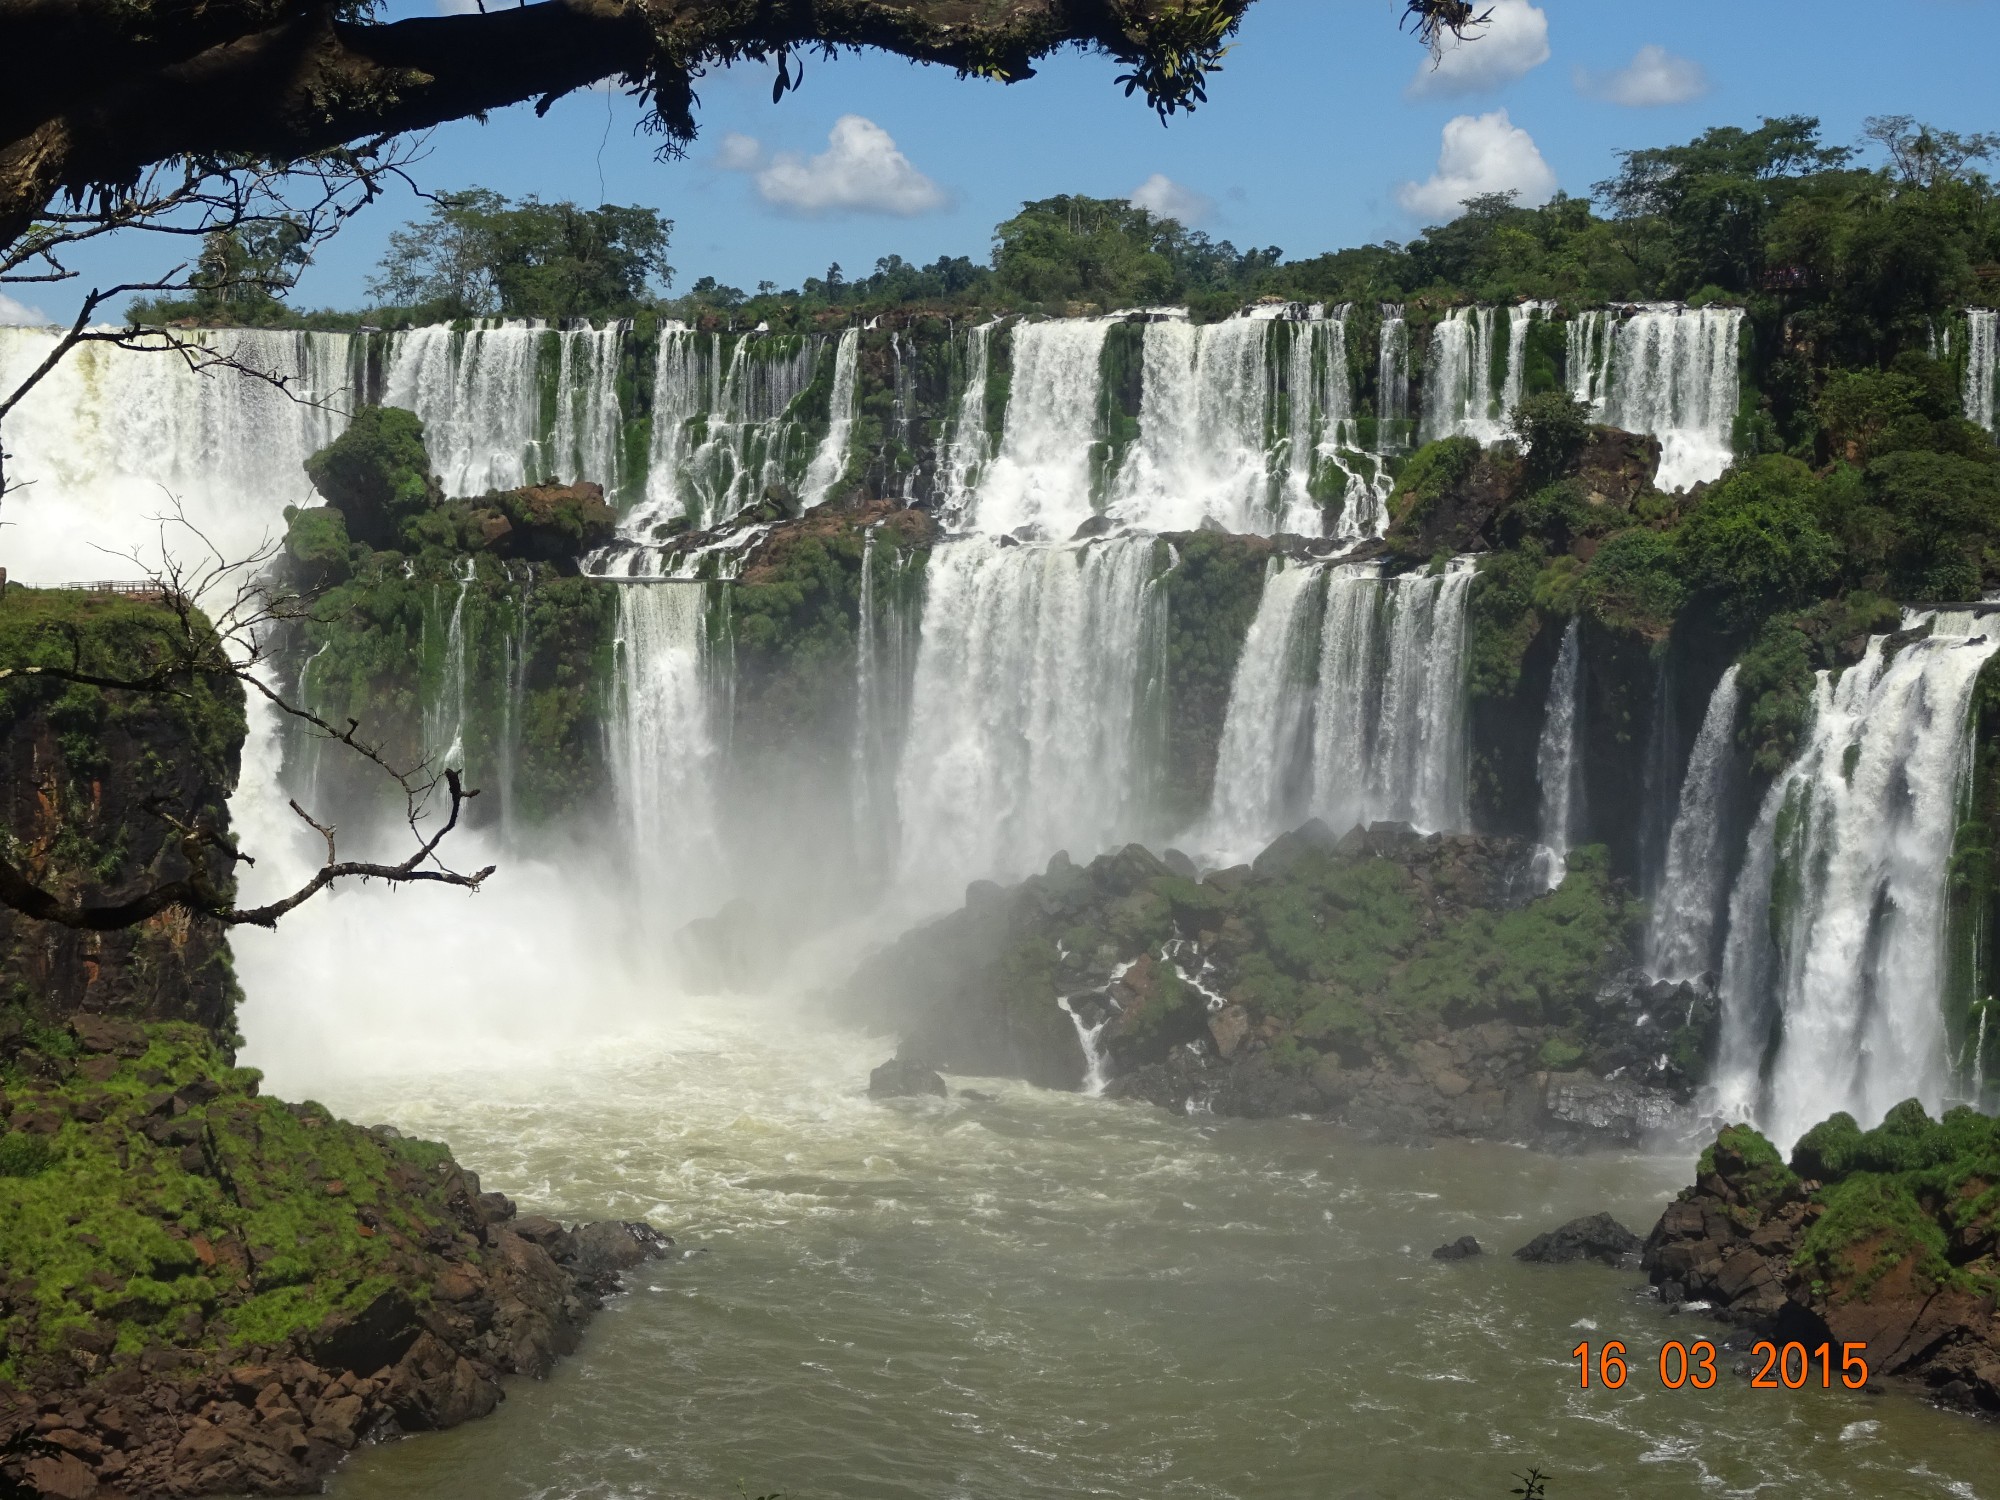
(1465, 1247)
(1596, 1237)
(899, 1078)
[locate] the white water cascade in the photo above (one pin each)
(1041, 477)
(970, 445)
(1026, 728)
(589, 431)
(1263, 761)
(1680, 941)
(1557, 763)
(479, 393)
(111, 438)
(1833, 977)
(1459, 395)
(1671, 371)
(830, 460)
(666, 748)
(1366, 722)
(1392, 382)
(1204, 418)
(1982, 364)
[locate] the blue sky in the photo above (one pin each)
(1325, 129)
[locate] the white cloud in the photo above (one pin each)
(1654, 76)
(1515, 41)
(860, 172)
(739, 152)
(1162, 196)
(1480, 154)
(19, 315)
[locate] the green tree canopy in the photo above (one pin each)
(477, 254)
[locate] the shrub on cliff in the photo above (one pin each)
(1754, 545)
(377, 474)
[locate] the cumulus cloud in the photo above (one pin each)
(1655, 76)
(1162, 196)
(860, 172)
(1480, 154)
(1515, 41)
(19, 315)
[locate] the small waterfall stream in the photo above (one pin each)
(1982, 364)
(1556, 763)
(830, 461)
(1680, 941)
(1671, 371)
(1041, 477)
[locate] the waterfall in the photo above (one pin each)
(724, 435)
(106, 442)
(1096, 1069)
(880, 666)
(1838, 923)
(1680, 943)
(1673, 374)
(665, 747)
(1459, 398)
(1556, 762)
(1041, 478)
(1025, 731)
(1359, 721)
(1392, 383)
(1418, 758)
(444, 728)
(1587, 359)
(1982, 364)
(1204, 417)
(1262, 766)
(479, 394)
(830, 462)
(589, 431)
(968, 447)
(513, 693)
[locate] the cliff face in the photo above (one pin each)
(1889, 1238)
(88, 781)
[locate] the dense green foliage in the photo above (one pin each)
(477, 255)
(1379, 977)
(1913, 1192)
(158, 1197)
(377, 474)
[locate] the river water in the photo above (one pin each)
(1040, 1295)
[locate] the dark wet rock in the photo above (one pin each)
(1180, 864)
(1598, 1237)
(1235, 993)
(901, 1079)
(1095, 526)
(1465, 1247)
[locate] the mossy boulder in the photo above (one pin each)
(377, 474)
(1888, 1237)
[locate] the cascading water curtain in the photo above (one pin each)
(1026, 732)
(1982, 364)
(1687, 913)
(1834, 972)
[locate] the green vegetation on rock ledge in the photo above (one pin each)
(1888, 1236)
(173, 1207)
